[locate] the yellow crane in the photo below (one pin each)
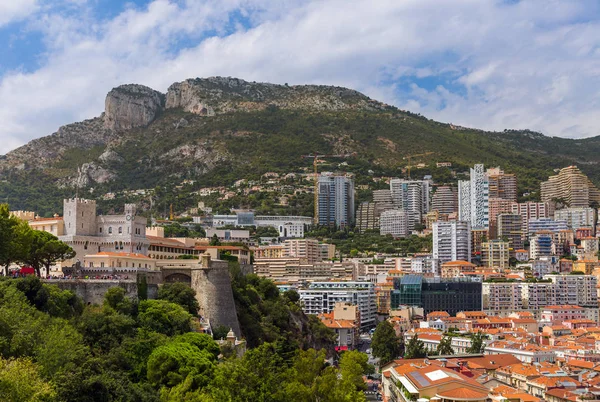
(315, 156)
(409, 157)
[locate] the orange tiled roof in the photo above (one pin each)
(462, 393)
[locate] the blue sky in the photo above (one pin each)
(491, 64)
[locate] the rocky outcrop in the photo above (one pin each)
(216, 95)
(129, 106)
(110, 156)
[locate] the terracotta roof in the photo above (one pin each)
(458, 263)
(58, 218)
(462, 394)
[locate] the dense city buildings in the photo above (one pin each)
(570, 187)
(532, 211)
(336, 200)
(451, 241)
(413, 197)
(366, 217)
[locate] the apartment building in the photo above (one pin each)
(580, 217)
(321, 297)
(394, 222)
(413, 197)
(366, 217)
(305, 249)
(510, 227)
(495, 254)
(335, 200)
(502, 185)
(451, 241)
(445, 200)
(473, 197)
(571, 187)
(531, 211)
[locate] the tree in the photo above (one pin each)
(180, 293)
(47, 250)
(477, 345)
(163, 317)
(214, 241)
(386, 344)
(116, 299)
(20, 381)
(415, 348)
(19, 241)
(445, 346)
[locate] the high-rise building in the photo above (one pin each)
(305, 249)
(411, 196)
(510, 227)
(530, 211)
(541, 245)
(497, 206)
(452, 241)
(473, 198)
(570, 187)
(478, 237)
(394, 222)
(502, 185)
(383, 199)
(580, 217)
(365, 217)
(495, 254)
(336, 200)
(445, 200)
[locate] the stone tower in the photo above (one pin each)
(80, 217)
(212, 284)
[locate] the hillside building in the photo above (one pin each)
(451, 241)
(445, 200)
(336, 200)
(394, 222)
(570, 187)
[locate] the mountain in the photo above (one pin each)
(216, 130)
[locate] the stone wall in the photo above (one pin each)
(92, 290)
(215, 296)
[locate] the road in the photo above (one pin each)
(365, 347)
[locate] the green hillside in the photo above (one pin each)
(220, 149)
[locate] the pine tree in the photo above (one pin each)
(385, 344)
(415, 348)
(445, 346)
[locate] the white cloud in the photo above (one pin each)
(478, 63)
(15, 10)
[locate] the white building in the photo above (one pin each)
(321, 297)
(576, 217)
(473, 199)
(451, 241)
(229, 234)
(413, 197)
(394, 222)
(425, 264)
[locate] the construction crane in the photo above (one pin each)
(315, 156)
(409, 157)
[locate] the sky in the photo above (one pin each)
(491, 64)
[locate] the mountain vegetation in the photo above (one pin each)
(54, 348)
(215, 131)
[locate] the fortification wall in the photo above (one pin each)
(92, 291)
(215, 297)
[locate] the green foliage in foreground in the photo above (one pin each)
(386, 345)
(53, 348)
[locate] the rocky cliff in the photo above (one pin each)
(130, 106)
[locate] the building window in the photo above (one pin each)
(110, 230)
(120, 230)
(101, 265)
(100, 230)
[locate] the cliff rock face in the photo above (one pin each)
(216, 95)
(129, 106)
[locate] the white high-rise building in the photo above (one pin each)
(394, 222)
(473, 198)
(412, 196)
(452, 241)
